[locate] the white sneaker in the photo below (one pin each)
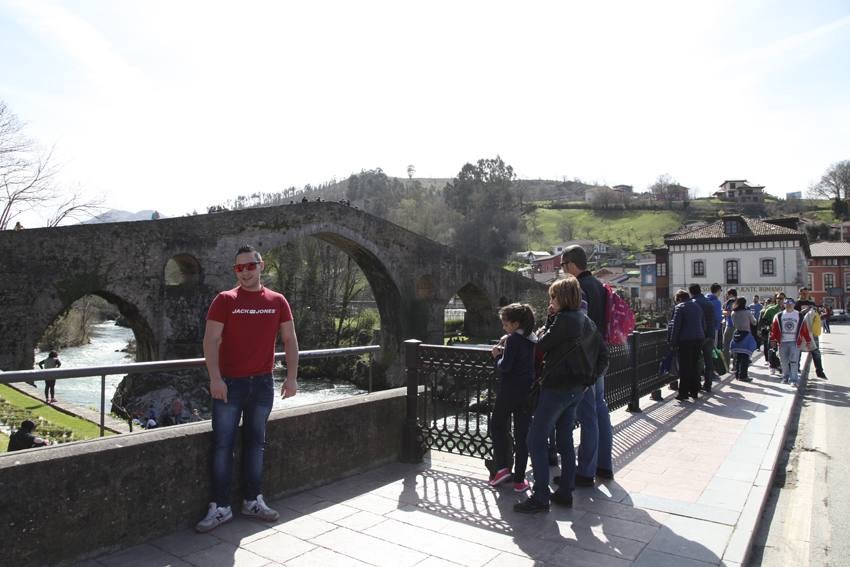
(259, 509)
(216, 516)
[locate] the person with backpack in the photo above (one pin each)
(597, 436)
(686, 337)
(573, 353)
(743, 339)
(789, 333)
(514, 356)
(708, 343)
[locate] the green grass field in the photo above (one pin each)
(16, 407)
(633, 230)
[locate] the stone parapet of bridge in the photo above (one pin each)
(79, 499)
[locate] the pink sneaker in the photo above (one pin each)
(521, 486)
(501, 476)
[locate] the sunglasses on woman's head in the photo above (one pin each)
(250, 266)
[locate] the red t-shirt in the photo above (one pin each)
(251, 323)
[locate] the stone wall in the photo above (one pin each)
(77, 500)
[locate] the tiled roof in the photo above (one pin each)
(822, 249)
(748, 227)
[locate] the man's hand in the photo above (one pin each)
(289, 388)
(218, 389)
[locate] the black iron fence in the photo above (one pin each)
(450, 391)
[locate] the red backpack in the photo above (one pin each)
(619, 318)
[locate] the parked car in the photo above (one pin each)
(839, 316)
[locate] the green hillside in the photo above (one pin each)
(634, 230)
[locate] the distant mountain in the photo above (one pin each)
(114, 215)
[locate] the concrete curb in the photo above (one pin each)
(739, 549)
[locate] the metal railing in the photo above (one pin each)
(450, 391)
(142, 367)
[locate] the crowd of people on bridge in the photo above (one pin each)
(541, 393)
(783, 326)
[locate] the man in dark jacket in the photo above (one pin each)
(686, 336)
(597, 436)
(708, 344)
(24, 438)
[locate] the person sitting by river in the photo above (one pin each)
(52, 361)
(150, 421)
(24, 438)
(174, 416)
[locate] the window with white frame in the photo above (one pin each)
(730, 226)
(810, 282)
(830, 262)
(731, 271)
(768, 267)
(698, 268)
(828, 280)
(660, 270)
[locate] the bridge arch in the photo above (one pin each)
(182, 271)
(146, 344)
(365, 254)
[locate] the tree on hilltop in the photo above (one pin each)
(486, 196)
(835, 184)
(374, 191)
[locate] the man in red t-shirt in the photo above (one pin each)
(239, 341)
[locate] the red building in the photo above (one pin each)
(548, 264)
(829, 273)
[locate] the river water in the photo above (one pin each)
(107, 340)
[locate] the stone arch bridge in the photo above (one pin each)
(43, 271)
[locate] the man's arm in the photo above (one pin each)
(290, 347)
(212, 341)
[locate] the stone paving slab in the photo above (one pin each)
(691, 479)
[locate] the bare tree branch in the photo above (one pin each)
(834, 183)
(27, 178)
(73, 207)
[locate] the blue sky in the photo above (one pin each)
(178, 105)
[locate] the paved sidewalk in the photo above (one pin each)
(691, 479)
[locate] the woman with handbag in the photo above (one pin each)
(743, 342)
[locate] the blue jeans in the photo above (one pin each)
(789, 356)
(597, 437)
(555, 409)
(250, 398)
